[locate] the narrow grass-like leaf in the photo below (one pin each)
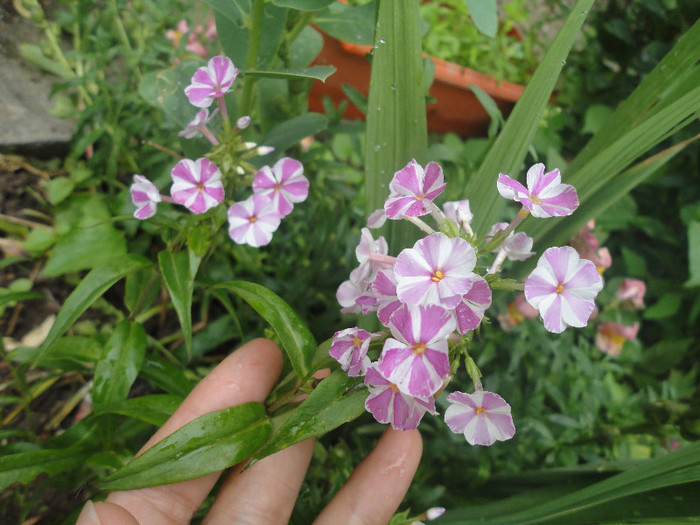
(18, 296)
(331, 404)
(314, 73)
(179, 270)
(120, 364)
(96, 283)
(296, 338)
(510, 148)
(303, 5)
(208, 444)
(154, 409)
(24, 467)
(396, 118)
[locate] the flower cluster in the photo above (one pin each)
(430, 298)
(194, 37)
(198, 184)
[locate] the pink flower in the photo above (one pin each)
(612, 336)
(349, 348)
(563, 288)
(384, 289)
(253, 221)
(516, 312)
(471, 309)
(354, 294)
(483, 417)
(411, 187)
(284, 183)
(211, 81)
(516, 246)
(389, 405)
(145, 197)
(366, 249)
(437, 270)
(458, 211)
(176, 34)
(194, 46)
(197, 184)
(545, 195)
(631, 291)
(416, 360)
(377, 218)
(199, 125)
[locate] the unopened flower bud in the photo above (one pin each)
(243, 122)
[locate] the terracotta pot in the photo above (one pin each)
(456, 108)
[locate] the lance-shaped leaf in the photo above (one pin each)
(303, 5)
(24, 467)
(179, 270)
(210, 443)
(154, 409)
(116, 371)
(396, 121)
(296, 338)
(332, 403)
(96, 283)
(314, 73)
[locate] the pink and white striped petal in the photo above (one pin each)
(545, 195)
(285, 183)
(211, 81)
(195, 126)
(416, 359)
(483, 417)
(253, 221)
(349, 347)
(197, 185)
(471, 309)
(437, 270)
(145, 197)
(411, 187)
(389, 405)
(384, 289)
(563, 288)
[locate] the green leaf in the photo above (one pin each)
(511, 146)
(304, 5)
(164, 90)
(154, 409)
(166, 376)
(119, 366)
(25, 467)
(351, 24)
(484, 13)
(293, 333)
(293, 130)
(235, 10)
(35, 55)
(58, 189)
(314, 72)
(693, 254)
(14, 297)
(179, 270)
(208, 444)
(68, 353)
(96, 283)
(331, 404)
(396, 116)
(665, 307)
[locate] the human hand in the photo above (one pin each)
(266, 492)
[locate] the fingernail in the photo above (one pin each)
(89, 515)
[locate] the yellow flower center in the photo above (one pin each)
(560, 287)
(480, 410)
(437, 276)
(393, 387)
(535, 199)
(356, 342)
(419, 348)
(253, 219)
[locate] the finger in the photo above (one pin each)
(264, 493)
(246, 375)
(378, 484)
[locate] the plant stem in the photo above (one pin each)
(253, 50)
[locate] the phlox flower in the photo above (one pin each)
(612, 336)
(458, 211)
(367, 248)
(563, 288)
(354, 295)
(416, 358)
(284, 183)
(437, 270)
(545, 195)
(198, 124)
(384, 288)
(411, 187)
(483, 417)
(253, 221)
(516, 246)
(516, 312)
(631, 291)
(389, 405)
(211, 81)
(377, 218)
(197, 184)
(472, 307)
(145, 197)
(349, 348)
